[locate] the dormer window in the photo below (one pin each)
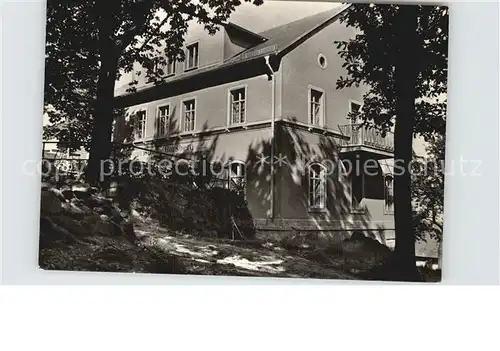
(192, 51)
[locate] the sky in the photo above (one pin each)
(275, 13)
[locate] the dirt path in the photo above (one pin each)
(202, 256)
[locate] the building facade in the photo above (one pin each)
(266, 107)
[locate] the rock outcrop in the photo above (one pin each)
(82, 211)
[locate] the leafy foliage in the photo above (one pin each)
(370, 60)
(185, 205)
(71, 71)
(428, 191)
(400, 54)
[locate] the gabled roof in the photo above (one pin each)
(284, 36)
(278, 41)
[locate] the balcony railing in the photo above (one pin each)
(359, 135)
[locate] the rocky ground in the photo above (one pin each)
(240, 258)
(80, 229)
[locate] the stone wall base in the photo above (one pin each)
(324, 229)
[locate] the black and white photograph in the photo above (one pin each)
(258, 138)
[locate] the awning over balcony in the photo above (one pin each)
(387, 166)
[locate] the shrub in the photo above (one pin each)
(184, 205)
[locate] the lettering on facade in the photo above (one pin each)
(255, 53)
(178, 148)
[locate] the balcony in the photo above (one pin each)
(357, 137)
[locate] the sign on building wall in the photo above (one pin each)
(255, 53)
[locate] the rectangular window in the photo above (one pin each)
(192, 56)
(389, 193)
(189, 107)
(237, 106)
(140, 128)
(170, 69)
(163, 120)
(316, 107)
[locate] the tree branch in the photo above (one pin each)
(142, 9)
(154, 33)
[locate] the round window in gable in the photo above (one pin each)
(322, 61)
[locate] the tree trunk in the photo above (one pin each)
(405, 81)
(100, 145)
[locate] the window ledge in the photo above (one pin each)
(139, 141)
(237, 125)
(311, 126)
(317, 210)
(188, 134)
(190, 69)
(161, 137)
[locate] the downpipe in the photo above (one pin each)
(273, 109)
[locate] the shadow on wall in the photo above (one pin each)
(336, 219)
(298, 149)
(178, 188)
